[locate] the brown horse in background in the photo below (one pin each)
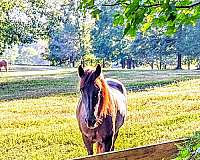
(4, 63)
(101, 110)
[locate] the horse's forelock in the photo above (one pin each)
(86, 78)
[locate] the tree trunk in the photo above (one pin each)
(123, 63)
(136, 63)
(179, 62)
(83, 62)
(91, 62)
(73, 63)
(157, 65)
(198, 66)
(133, 64)
(188, 64)
(151, 64)
(103, 63)
(160, 65)
(129, 62)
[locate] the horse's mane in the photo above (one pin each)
(106, 106)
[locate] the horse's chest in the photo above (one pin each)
(98, 134)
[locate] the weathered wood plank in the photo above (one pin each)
(161, 151)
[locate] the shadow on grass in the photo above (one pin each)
(25, 89)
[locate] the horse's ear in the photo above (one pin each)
(98, 71)
(80, 71)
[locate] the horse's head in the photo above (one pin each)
(91, 95)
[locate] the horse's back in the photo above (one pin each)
(115, 84)
(3, 62)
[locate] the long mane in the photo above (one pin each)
(106, 106)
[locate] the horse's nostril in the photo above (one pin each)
(91, 122)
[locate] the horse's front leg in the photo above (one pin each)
(100, 147)
(106, 145)
(109, 142)
(88, 145)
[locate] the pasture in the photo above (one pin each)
(37, 110)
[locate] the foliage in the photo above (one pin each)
(73, 41)
(104, 35)
(23, 21)
(144, 14)
(190, 149)
(188, 41)
(63, 45)
(10, 54)
(31, 54)
(152, 47)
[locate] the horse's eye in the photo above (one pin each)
(81, 90)
(95, 96)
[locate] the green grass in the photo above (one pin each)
(45, 126)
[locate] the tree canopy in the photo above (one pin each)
(140, 15)
(23, 21)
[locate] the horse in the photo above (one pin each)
(4, 63)
(101, 110)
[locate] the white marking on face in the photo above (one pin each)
(97, 105)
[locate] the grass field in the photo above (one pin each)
(37, 111)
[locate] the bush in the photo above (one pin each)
(190, 150)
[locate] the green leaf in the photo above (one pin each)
(171, 29)
(161, 21)
(95, 13)
(171, 17)
(145, 27)
(131, 8)
(126, 30)
(140, 16)
(132, 31)
(184, 153)
(91, 3)
(119, 20)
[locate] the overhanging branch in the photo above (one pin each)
(115, 4)
(189, 6)
(153, 5)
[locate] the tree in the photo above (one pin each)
(144, 14)
(73, 41)
(187, 44)
(63, 44)
(24, 21)
(107, 42)
(152, 47)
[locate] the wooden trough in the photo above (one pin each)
(161, 151)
